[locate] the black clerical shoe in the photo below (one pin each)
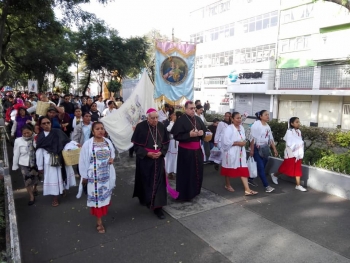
(31, 202)
(159, 213)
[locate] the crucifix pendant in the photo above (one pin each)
(196, 130)
(155, 146)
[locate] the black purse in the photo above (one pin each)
(55, 160)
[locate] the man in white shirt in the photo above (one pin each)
(163, 114)
(100, 104)
(111, 108)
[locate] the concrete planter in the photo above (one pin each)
(330, 182)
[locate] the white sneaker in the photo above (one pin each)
(300, 188)
(269, 189)
(274, 178)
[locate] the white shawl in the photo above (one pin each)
(84, 164)
(231, 154)
(294, 144)
(261, 134)
(220, 131)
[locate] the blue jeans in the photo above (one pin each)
(211, 145)
(261, 164)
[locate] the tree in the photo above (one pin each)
(72, 12)
(106, 52)
(345, 3)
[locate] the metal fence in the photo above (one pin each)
(12, 240)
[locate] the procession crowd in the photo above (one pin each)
(169, 145)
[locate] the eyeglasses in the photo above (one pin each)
(45, 123)
(153, 118)
(192, 108)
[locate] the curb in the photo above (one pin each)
(319, 179)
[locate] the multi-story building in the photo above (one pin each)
(311, 77)
(235, 37)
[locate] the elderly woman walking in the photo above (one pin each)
(50, 143)
(97, 173)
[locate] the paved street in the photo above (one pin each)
(219, 226)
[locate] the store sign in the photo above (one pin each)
(250, 80)
(250, 75)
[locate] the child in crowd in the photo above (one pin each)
(293, 154)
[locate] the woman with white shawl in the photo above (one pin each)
(97, 173)
(260, 143)
(293, 154)
(219, 134)
(234, 159)
(49, 145)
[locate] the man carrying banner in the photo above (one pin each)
(151, 145)
(163, 113)
(189, 130)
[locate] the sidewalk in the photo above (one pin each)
(219, 226)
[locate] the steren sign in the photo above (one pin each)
(250, 75)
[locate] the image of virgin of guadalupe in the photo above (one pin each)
(174, 70)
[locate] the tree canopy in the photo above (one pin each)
(33, 43)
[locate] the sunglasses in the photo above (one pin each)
(45, 123)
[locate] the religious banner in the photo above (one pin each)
(174, 71)
(32, 85)
(120, 124)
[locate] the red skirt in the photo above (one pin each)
(99, 211)
(291, 167)
(238, 172)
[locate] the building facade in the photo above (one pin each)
(235, 37)
(285, 56)
(312, 79)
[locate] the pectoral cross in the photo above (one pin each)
(155, 146)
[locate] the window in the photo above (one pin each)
(266, 21)
(245, 26)
(231, 57)
(258, 25)
(273, 19)
(285, 45)
(252, 24)
(232, 30)
(294, 44)
(297, 13)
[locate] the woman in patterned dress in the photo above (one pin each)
(97, 172)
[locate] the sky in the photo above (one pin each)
(138, 17)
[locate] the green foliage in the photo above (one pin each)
(211, 117)
(337, 162)
(313, 155)
(114, 86)
(279, 129)
(339, 138)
